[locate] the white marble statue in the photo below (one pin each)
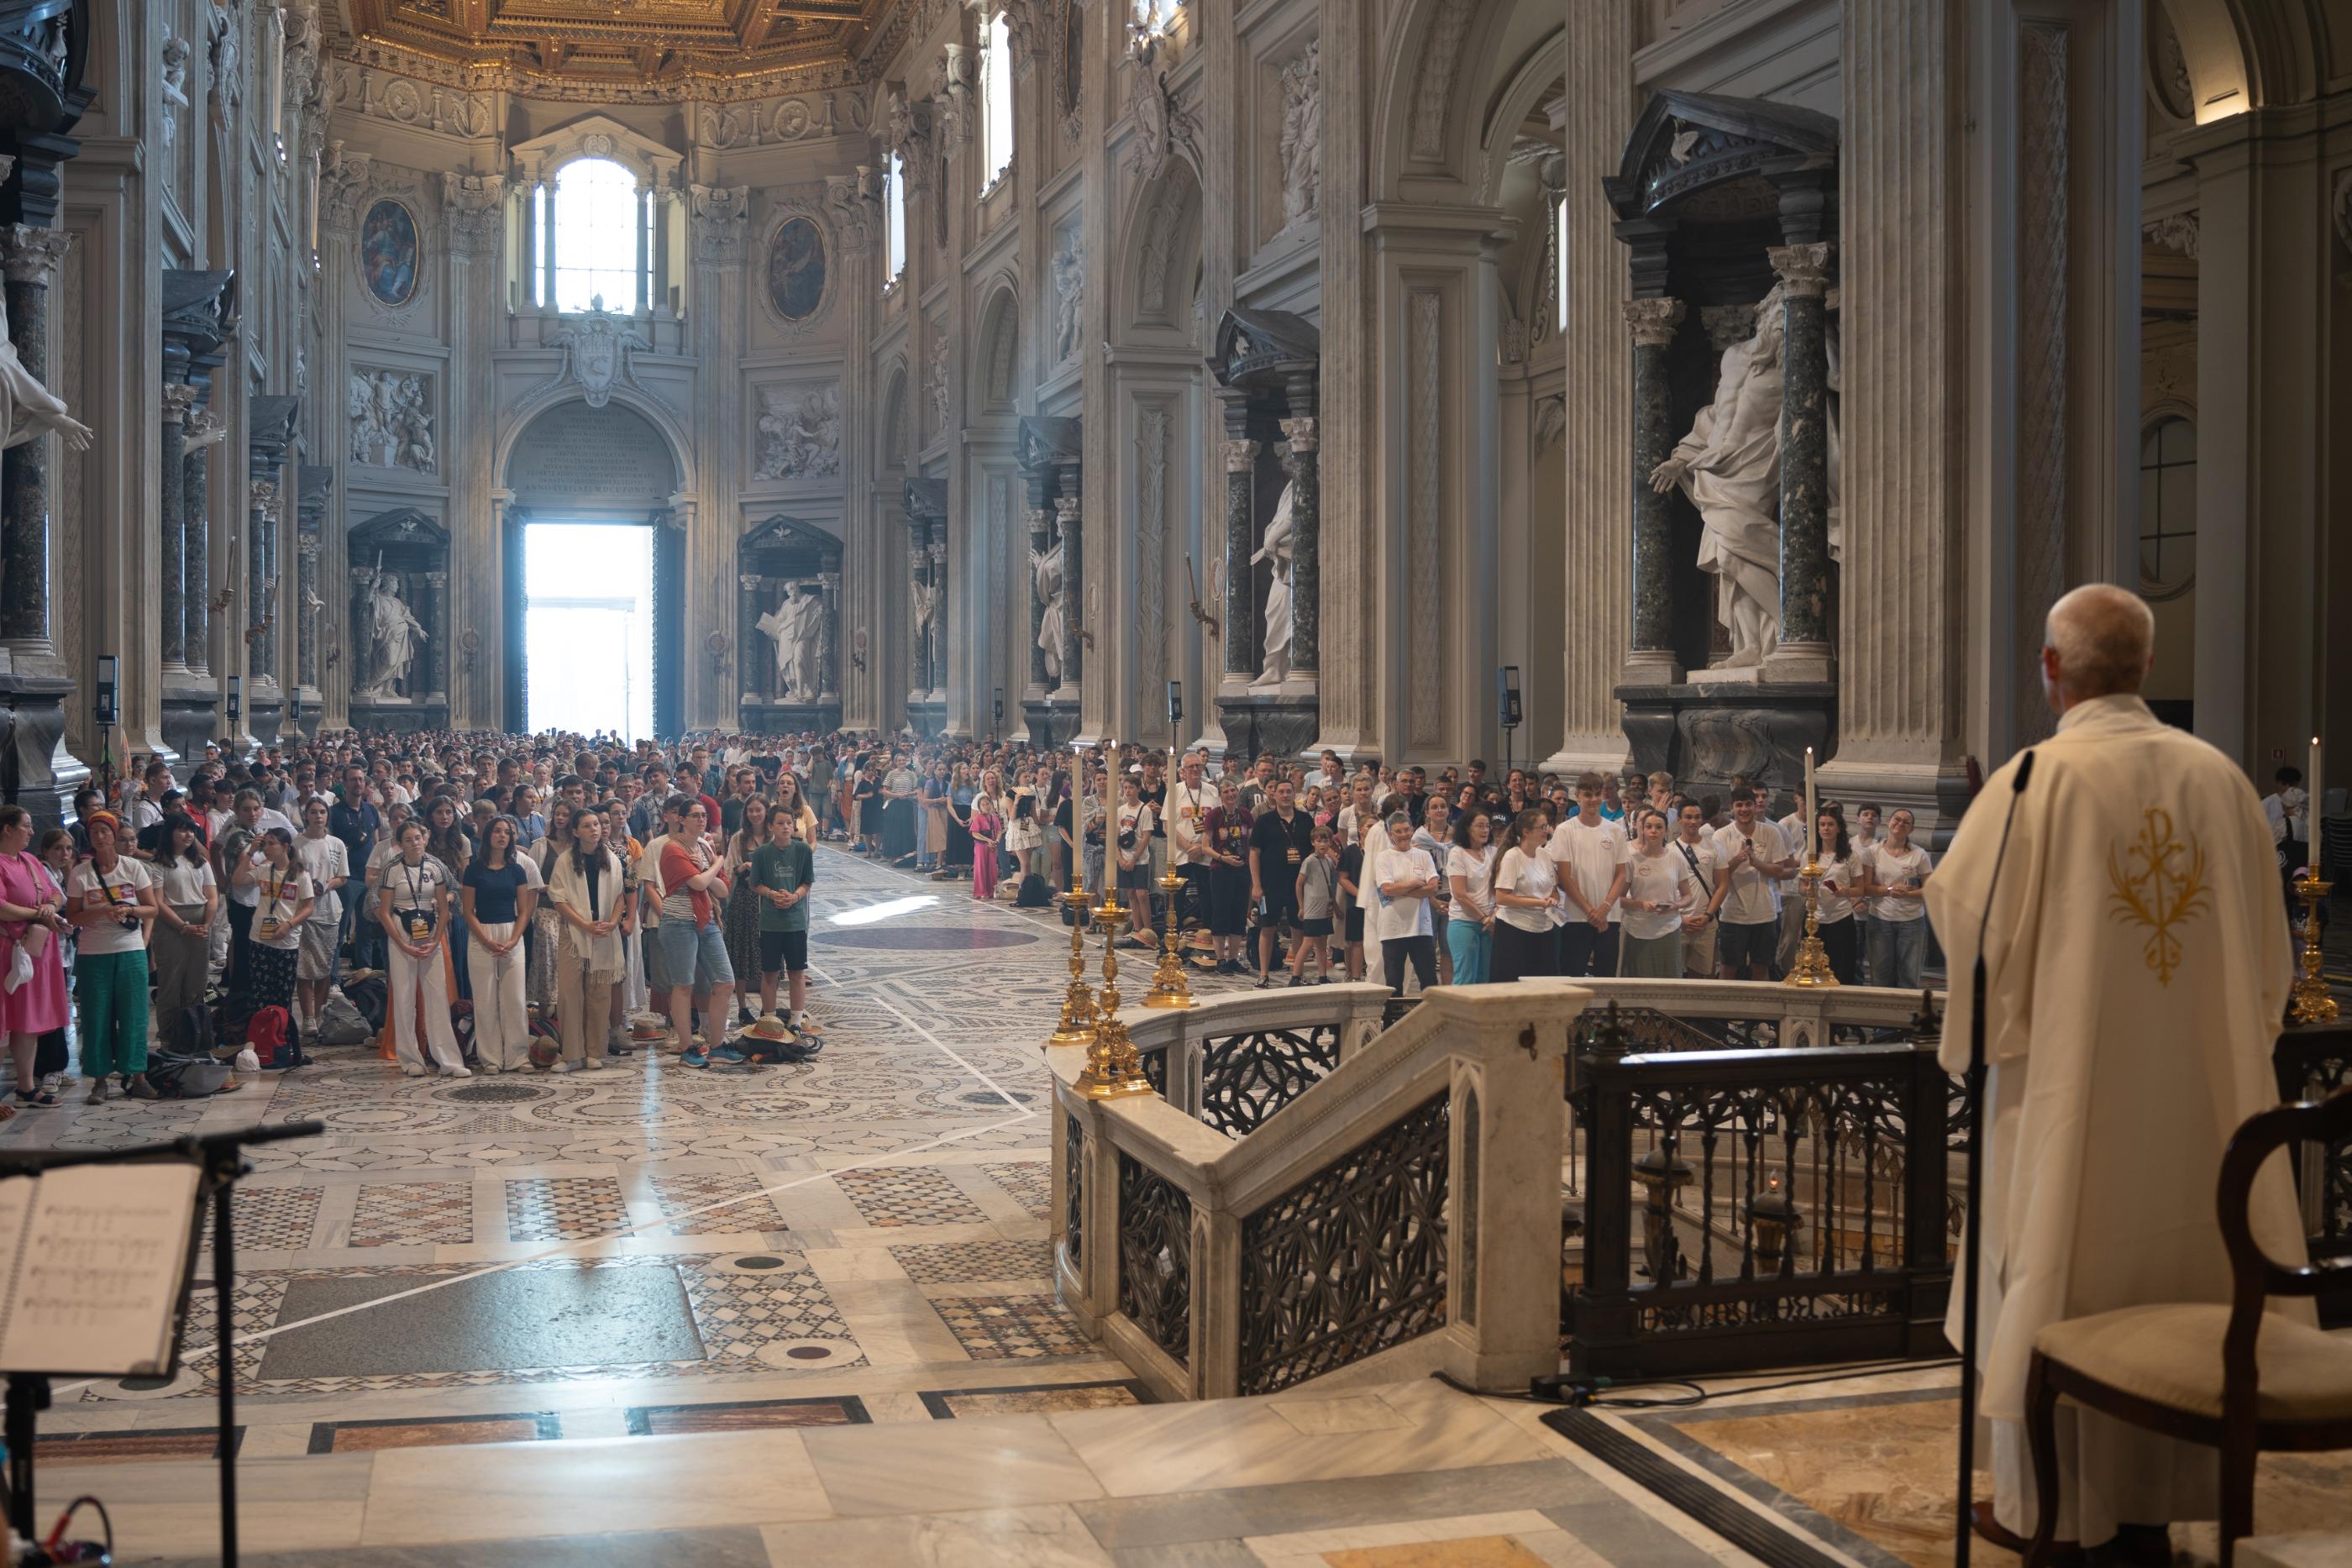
(1302, 136)
(1730, 466)
(797, 626)
(28, 409)
(1045, 571)
(1276, 551)
(393, 634)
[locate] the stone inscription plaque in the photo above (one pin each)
(609, 457)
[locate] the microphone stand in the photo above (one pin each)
(1971, 1305)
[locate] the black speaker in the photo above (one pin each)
(1175, 704)
(102, 705)
(1507, 694)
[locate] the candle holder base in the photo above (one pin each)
(1812, 969)
(1077, 1022)
(2311, 1001)
(1114, 1067)
(1170, 988)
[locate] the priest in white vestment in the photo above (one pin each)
(2139, 968)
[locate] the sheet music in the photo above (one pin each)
(97, 1268)
(16, 1207)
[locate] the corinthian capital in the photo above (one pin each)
(1653, 322)
(1804, 270)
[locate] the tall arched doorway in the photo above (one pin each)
(592, 569)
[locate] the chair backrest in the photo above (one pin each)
(2254, 1275)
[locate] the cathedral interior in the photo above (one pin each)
(1712, 387)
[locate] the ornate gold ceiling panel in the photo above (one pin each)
(624, 46)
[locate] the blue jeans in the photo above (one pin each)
(1468, 943)
(696, 957)
(1898, 953)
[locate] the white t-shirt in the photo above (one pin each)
(1476, 870)
(1188, 809)
(278, 900)
(85, 889)
(1390, 918)
(1530, 874)
(1754, 898)
(1663, 878)
(1136, 820)
(184, 885)
(1889, 866)
(1699, 859)
(1589, 858)
(1847, 874)
(324, 859)
(412, 886)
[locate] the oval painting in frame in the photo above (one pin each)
(796, 263)
(388, 258)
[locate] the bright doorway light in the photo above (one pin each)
(588, 627)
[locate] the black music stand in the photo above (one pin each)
(222, 1157)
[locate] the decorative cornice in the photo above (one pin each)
(719, 213)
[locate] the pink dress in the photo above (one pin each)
(38, 1005)
(984, 855)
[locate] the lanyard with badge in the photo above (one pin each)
(419, 919)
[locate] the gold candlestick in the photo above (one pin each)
(2311, 1000)
(1114, 1067)
(1170, 988)
(1812, 969)
(1077, 1025)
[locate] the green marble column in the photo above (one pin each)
(1804, 449)
(1652, 323)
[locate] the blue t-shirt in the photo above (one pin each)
(495, 892)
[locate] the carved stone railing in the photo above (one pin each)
(1370, 1221)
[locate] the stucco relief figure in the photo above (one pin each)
(1302, 137)
(1046, 572)
(797, 626)
(394, 636)
(800, 434)
(28, 409)
(1069, 296)
(1276, 551)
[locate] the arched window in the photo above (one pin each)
(2168, 505)
(894, 213)
(996, 98)
(598, 230)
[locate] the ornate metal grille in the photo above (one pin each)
(1351, 1261)
(1074, 1207)
(1155, 1070)
(1772, 1204)
(1246, 1078)
(1467, 1214)
(2313, 1062)
(1155, 1257)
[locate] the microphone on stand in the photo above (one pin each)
(1977, 1132)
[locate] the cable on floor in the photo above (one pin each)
(1577, 1393)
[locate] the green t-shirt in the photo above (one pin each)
(787, 868)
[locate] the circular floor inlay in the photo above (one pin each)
(809, 1352)
(759, 1262)
(478, 1093)
(919, 939)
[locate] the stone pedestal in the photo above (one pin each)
(1705, 732)
(926, 716)
(191, 713)
(1051, 723)
(36, 771)
(399, 714)
(1273, 722)
(775, 715)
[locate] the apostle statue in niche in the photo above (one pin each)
(393, 634)
(797, 625)
(1730, 466)
(1045, 571)
(28, 409)
(1275, 550)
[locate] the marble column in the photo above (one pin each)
(264, 505)
(1651, 659)
(1301, 461)
(178, 398)
(1804, 651)
(28, 260)
(1040, 490)
(939, 629)
(195, 471)
(1240, 530)
(828, 658)
(919, 580)
(436, 660)
(1075, 619)
(749, 586)
(306, 614)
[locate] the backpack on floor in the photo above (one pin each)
(188, 1031)
(1035, 893)
(178, 1077)
(370, 998)
(272, 1036)
(340, 1023)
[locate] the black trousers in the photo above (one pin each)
(237, 980)
(1518, 953)
(1584, 951)
(1422, 950)
(1842, 940)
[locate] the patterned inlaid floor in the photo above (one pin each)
(866, 1231)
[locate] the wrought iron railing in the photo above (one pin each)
(1246, 1078)
(1155, 1257)
(1351, 1261)
(1235, 1060)
(1761, 1207)
(2313, 1062)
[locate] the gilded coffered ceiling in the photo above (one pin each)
(620, 44)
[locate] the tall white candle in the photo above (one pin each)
(2312, 808)
(1812, 817)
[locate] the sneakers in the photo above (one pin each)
(138, 1088)
(456, 1072)
(410, 1069)
(695, 1057)
(729, 1055)
(97, 1091)
(1297, 981)
(1265, 982)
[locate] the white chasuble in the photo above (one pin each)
(2138, 969)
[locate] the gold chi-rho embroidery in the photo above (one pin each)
(2159, 887)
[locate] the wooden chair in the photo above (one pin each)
(2236, 1378)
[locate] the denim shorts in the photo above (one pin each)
(695, 957)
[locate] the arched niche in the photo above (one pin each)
(401, 641)
(572, 463)
(996, 370)
(1153, 285)
(780, 564)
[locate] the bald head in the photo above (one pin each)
(2098, 641)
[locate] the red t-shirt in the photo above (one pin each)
(678, 868)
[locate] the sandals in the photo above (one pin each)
(35, 1097)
